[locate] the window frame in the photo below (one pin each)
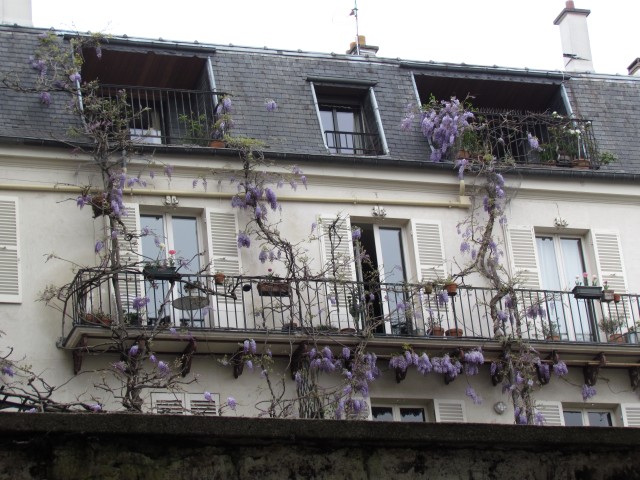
(351, 95)
(396, 411)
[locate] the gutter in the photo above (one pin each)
(343, 160)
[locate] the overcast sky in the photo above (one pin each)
(508, 33)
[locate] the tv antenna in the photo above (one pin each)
(354, 12)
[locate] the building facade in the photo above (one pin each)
(373, 224)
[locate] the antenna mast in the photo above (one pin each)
(354, 12)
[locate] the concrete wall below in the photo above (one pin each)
(121, 446)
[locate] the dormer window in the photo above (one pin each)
(348, 117)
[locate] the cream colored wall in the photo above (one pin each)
(50, 222)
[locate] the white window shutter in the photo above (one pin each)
(630, 414)
(336, 253)
(450, 411)
(222, 241)
(130, 285)
(168, 403)
(609, 260)
(10, 278)
(224, 256)
(336, 245)
(552, 413)
(429, 250)
(524, 257)
(198, 405)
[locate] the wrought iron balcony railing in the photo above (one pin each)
(196, 302)
(167, 116)
(529, 138)
(353, 143)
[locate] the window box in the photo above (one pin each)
(161, 273)
(274, 289)
(587, 293)
(607, 296)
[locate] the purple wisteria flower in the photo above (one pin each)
(232, 403)
(168, 171)
(153, 358)
(271, 105)
(588, 392)
(538, 419)
(99, 246)
(8, 370)
(208, 397)
(465, 247)
(74, 77)
(520, 415)
(471, 393)
(272, 198)
(140, 302)
(423, 364)
(243, 240)
(560, 369)
(346, 353)
(443, 297)
(45, 98)
(472, 361)
(534, 144)
(356, 233)
(120, 366)
(133, 351)
(96, 407)
(163, 368)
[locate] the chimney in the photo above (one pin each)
(361, 48)
(574, 34)
(16, 12)
(634, 68)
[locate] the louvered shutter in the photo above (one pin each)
(222, 237)
(429, 251)
(610, 265)
(450, 411)
(224, 256)
(130, 285)
(10, 288)
(168, 403)
(336, 252)
(609, 260)
(630, 414)
(524, 258)
(198, 405)
(551, 412)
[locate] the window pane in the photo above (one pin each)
(185, 242)
(548, 263)
(573, 418)
(412, 415)
(599, 419)
(326, 117)
(573, 261)
(382, 414)
(150, 250)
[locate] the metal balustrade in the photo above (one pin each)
(242, 303)
(353, 143)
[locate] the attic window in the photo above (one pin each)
(348, 119)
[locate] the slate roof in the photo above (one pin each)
(253, 75)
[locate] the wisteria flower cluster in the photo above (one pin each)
(442, 123)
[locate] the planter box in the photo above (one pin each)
(607, 296)
(587, 293)
(161, 273)
(632, 337)
(274, 289)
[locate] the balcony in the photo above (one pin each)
(531, 139)
(242, 306)
(161, 116)
(353, 143)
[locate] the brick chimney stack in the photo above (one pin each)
(576, 49)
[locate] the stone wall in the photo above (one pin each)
(128, 447)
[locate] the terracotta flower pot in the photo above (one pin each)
(436, 332)
(451, 288)
(219, 278)
(454, 332)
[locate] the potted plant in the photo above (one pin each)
(197, 128)
(273, 286)
(607, 294)
(434, 326)
(585, 291)
(98, 318)
(454, 332)
(611, 327)
(219, 277)
(162, 268)
(428, 288)
(632, 335)
(550, 330)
